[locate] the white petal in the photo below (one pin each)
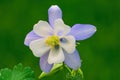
(56, 56)
(39, 47)
(60, 28)
(68, 44)
(42, 28)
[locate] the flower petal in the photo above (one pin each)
(43, 29)
(72, 60)
(39, 47)
(60, 28)
(30, 37)
(54, 13)
(44, 63)
(82, 31)
(68, 44)
(56, 55)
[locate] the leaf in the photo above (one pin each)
(18, 73)
(5, 74)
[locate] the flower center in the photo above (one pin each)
(53, 41)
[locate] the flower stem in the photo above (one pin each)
(55, 68)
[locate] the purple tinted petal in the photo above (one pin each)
(73, 60)
(44, 63)
(54, 13)
(30, 37)
(82, 31)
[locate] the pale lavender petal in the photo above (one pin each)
(30, 37)
(44, 63)
(72, 60)
(54, 13)
(82, 31)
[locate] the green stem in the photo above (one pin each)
(55, 68)
(68, 68)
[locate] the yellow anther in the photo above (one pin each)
(52, 41)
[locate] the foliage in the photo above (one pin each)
(18, 73)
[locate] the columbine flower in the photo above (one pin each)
(54, 42)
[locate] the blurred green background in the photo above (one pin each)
(100, 54)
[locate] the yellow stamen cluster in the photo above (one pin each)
(52, 41)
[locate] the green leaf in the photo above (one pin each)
(18, 73)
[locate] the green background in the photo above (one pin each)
(100, 54)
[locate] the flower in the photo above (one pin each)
(55, 42)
